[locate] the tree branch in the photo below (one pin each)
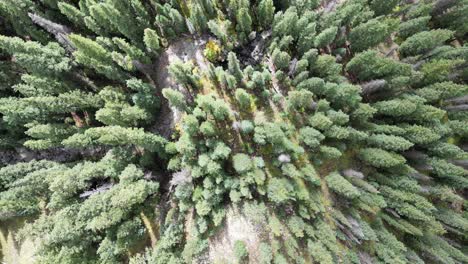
(60, 32)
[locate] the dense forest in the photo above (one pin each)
(233, 131)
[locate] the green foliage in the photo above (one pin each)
(420, 134)
(442, 90)
(18, 21)
(396, 107)
(369, 65)
(216, 107)
(22, 188)
(280, 190)
(369, 34)
(219, 29)
(327, 68)
(208, 129)
(338, 128)
(311, 137)
(299, 100)
(247, 126)
(47, 135)
(380, 158)
(453, 17)
(280, 59)
(452, 172)
(240, 251)
(439, 70)
(266, 11)
(319, 253)
(76, 222)
(340, 185)
(36, 58)
(244, 21)
(117, 111)
(182, 73)
(285, 23)
(241, 163)
(325, 37)
(72, 13)
(92, 54)
(243, 98)
(425, 41)
(41, 108)
(389, 142)
(117, 136)
(381, 7)
(234, 67)
(320, 121)
(175, 98)
(152, 40)
(266, 254)
(413, 26)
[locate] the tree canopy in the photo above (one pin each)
(139, 131)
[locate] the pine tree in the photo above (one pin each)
(42, 108)
(117, 111)
(152, 40)
(369, 65)
(266, 11)
(280, 190)
(117, 136)
(299, 100)
(383, 7)
(244, 26)
(234, 67)
(175, 98)
(369, 34)
(198, 17)
(219, 29)
(311, 137)
(381, 158)
(425, 41)
(280, 59)
(450, 14)
(182, 72)
(389, 142)
(337, 128)
(243, 98)
(91, 54)
(169, 20)
(16, 13)
(413, 26)
(340, 185)
(72, 13)
(241, 163)
(325, 37)
(33, 56)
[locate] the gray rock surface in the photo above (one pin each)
(236, 227)
(185, 49)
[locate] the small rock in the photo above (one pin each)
(236, 125)
(252, 35)
(284, 158)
